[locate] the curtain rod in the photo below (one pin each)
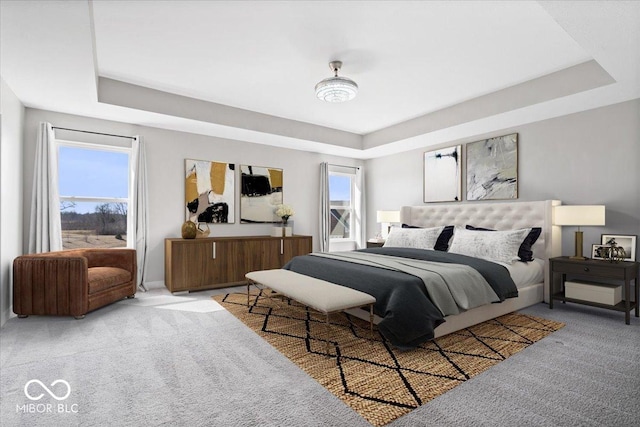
(95, 133)
(343, 166)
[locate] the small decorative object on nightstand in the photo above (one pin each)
(593, 292)
(613, 252)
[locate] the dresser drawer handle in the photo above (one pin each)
(586, 269)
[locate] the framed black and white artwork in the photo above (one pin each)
(625, 241)
(598, 251)
(443, 175)
(261, 192)
(492, 168)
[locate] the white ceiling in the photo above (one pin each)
(428, 72)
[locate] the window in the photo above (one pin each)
(94, 185)
(341, 202)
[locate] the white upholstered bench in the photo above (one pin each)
(317, 294)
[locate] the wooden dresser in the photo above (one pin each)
(217, 262)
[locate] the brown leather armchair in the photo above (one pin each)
(72, 282)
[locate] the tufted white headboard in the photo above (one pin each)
(495, 215)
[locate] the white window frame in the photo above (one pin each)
(130, 183)
(350, 208)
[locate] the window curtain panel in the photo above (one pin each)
(325, 209)
(45, 227)
(359, 207)
(141, 205)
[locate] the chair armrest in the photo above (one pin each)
(50, 283)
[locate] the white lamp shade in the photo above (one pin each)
(388, 216)
(579, 215)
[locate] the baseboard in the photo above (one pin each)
(6, 316)
(158, 284)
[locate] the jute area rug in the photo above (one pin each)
(377, 381)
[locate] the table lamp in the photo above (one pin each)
(385, 218)
(578, 216)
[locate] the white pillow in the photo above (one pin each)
(420, 238)
(501, 246)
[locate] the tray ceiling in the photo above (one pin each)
(428, 72)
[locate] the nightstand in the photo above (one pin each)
(595, 271)
(375, 244)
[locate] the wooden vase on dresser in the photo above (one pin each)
(218, 262)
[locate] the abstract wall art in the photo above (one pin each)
(443, 175)
(492, 168)
(209, 189)
(260, 194)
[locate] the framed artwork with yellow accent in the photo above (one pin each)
(209, 189)
(260, 194)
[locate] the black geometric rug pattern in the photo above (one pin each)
(378, 381)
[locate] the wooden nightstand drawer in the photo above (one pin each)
(592, 269)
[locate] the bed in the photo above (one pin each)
(403, 314)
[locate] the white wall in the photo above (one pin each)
(590, 157)
(11, 124)
(166, 151)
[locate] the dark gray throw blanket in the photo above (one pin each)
(452, 288)
(409, 317)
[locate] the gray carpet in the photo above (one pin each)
(134, 364)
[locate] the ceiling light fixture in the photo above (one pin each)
(336, 89)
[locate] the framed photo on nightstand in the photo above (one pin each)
(598, 251)
(625, 241)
